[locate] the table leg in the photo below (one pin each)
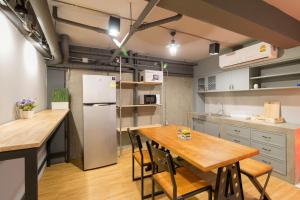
(31, 175)
(229, 183)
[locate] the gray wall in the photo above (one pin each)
(179, 103)
(56, 79)
(22, 74)
(250, 102)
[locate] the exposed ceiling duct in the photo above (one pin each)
(41, 10)
(254, 18)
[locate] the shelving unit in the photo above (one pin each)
(284, 74)
(135, 108)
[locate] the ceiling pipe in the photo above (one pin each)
(96, 29)
(136, 57)
(41, 10)
(159, 22)
(135, 27)
(19, 25)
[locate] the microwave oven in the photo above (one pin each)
(149, 99)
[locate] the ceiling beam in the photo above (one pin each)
(159, 22)
(66, 21)
(135, 27)
(256, 19)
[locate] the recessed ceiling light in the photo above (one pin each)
(114, 24)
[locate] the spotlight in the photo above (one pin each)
(214, 48)
(173, 46)
(2, 2)
(114, 26)
(20, 8)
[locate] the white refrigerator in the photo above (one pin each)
(99, 119)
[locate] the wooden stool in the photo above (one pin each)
(254, 169)
(177, 183)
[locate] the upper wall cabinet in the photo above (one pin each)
(234, 80)
(207, 83)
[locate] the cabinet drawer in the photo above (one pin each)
(238, 131)
(274, 152)
(279, 166)
(236, 139)
(269, 138)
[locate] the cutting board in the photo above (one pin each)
(272, 110)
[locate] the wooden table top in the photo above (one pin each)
(30, 133)
(203, 151)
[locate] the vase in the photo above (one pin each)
(20, 113)
(27, 114)
(60, 105)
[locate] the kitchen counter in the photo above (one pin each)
(246, 122)
(278, 143)
(30, 133)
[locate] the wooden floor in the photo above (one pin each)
(66, 181)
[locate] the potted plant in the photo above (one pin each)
(26, 107)
(60, 99)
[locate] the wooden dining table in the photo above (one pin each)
(207, 153)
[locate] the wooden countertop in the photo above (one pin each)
(30, 133)
(203, 151)
(249, 123)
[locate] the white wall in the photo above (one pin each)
(22, 74)
(251, 103)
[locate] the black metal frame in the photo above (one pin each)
(261, 189)
(31, 166)
(64, 153)
(161, 159)
(229, 183)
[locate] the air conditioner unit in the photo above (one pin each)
(251, 54)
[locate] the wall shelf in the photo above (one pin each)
(138, 83)
(141, 105)
(275, 75)
(134, 128)
(275, 88)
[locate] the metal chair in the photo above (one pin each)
(177, 183)
(142, 157)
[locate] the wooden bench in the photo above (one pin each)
(254, 169)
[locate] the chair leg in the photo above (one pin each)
(133, 169)
(265, 186)
(210, 194)
(142, 182)
(153, 189)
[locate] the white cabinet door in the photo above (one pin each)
(198, 125)
(223, 81)
(240, 79)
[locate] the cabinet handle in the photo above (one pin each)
(266, 149)
(236, 141)
(269, 163)
(237, 131)
(266, 137)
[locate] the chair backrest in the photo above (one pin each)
(162, 160)
(135, 140)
